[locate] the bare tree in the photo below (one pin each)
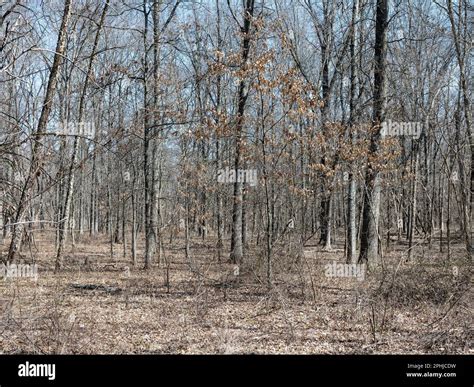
(36, 162)
(236, 254)
(370, 222)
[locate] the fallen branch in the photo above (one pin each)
(105, 288)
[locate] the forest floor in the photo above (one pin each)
(202, 306)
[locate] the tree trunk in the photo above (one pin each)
(370, 222)
(37, 151)
(70, 186)
(236, 253)
(351, 197)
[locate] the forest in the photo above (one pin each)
(236, 177)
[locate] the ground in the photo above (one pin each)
(109, 307)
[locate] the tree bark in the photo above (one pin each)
(370, 221)
(37, 151)
(236, 253)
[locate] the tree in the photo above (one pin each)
(36, 162)
(237, 251)
(64, 219)
(370, 221)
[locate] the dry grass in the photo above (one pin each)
(416, 307)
